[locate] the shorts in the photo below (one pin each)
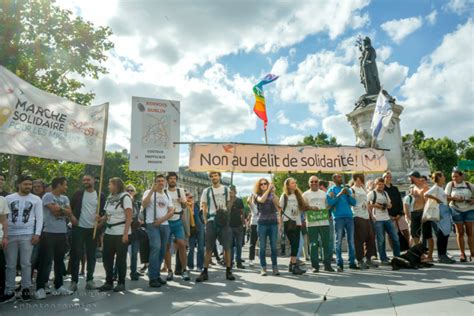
(402, 223)
(176, 230)
(223, 234)
(463, 217)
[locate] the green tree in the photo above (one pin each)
(51, 49)
(321, 139)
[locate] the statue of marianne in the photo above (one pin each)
(369, 75)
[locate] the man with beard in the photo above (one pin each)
(39, 188)
(214, 200)
(25, 223)
(57, 212)
(84, 207)
(178, 197)
(2, 186)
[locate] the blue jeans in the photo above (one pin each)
(270, 231)
(158, 237)
(236, 244)
(134, 247)
(196, 241)
(380, 228)
(347, 224)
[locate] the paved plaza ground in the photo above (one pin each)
(441, 290)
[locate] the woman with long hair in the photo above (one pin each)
(118, 218)
(292, 204)
(267, 205)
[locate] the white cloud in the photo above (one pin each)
(282, 119)
(399, 29)
(306, 125)
(431, 18)
(280, 66)
(459, 6)
(338, 126)
(292, 139)
(439, 95)
(162, 50)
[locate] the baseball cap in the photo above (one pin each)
(415, 174)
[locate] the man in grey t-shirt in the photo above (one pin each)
(53, 241)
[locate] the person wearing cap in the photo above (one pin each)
(396, 211)
(418, 229)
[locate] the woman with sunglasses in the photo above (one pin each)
(292, 204)
(268, 220)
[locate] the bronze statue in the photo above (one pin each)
(369, 75)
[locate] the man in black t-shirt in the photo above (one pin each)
(236, 223)
(396, 211)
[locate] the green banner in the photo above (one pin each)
(316, 216)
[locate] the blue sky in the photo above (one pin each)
(209, 54)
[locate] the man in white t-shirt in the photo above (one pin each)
(4, 211)
(178, 197)
(84, 207)
(317, 219)
(158, 209)
(380, 203)
(214, 200)
(25, 223)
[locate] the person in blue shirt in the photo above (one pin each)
(340, 200)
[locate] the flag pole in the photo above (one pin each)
(266, 142)
(102, 167)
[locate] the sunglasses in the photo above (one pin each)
(264, 183)
(189, 197)
(314, 182)
(130, 190)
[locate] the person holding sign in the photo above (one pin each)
(267, 205)
(292, 203)
(364, 237)
(340, 198)
(157, 209)
(317, 219)
(214, 200)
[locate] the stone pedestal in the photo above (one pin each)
(401, 157)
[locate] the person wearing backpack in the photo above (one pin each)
(177, 229)
(292, 204)
(135, 238)
(214, 201)
(461, 200)
(380, 203)
(117, 219)
(158, 208)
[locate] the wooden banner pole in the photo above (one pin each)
(101, 179)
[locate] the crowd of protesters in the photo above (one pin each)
(40, 226)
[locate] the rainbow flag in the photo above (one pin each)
(259, 107)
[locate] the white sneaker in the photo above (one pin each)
(90, 285)
(73, 287)
(40, 294)
(251, 263)
(62, 291)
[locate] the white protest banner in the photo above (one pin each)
(36, 123)
(275, 158)
(155, 128)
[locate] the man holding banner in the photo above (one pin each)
(214, 200)
(317, 218)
